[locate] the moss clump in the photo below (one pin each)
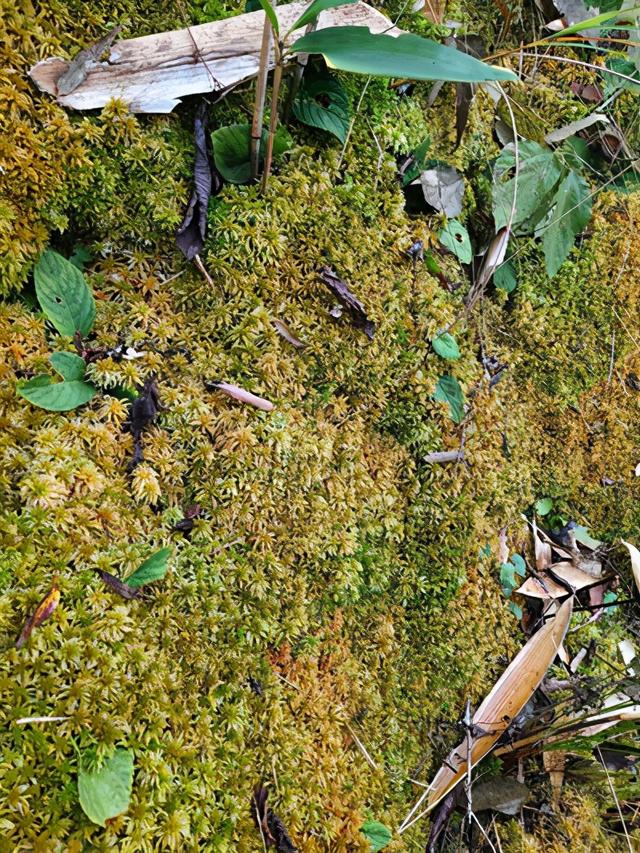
(331, 563)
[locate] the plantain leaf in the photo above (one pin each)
(63, 294)
(448, 390)
(153, 569)
(323, 103)
(56, 396)
(69, 365)
(446, 346)
(106, 792)
(311, 14)
(358, 50)
(231, 150)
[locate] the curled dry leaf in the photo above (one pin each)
(547, 586)
(42, 612)
(494, 256)
(144, 411)
(272, 829)
(353, 305)
(284, 331)
(501, 795)
(441, 457)
(635, 561)
(542, 549)
(443, 189)
(241, 395)
(123, 589)
(508, 697)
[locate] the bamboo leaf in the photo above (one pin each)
(635, 561)
(271, 14)
(358, 50)
(314, 10)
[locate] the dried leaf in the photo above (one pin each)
(144, 411)
(284, 331)
(271, 828)
(575, 127)
(465, 92)
(441, 457)
(546, 586)
(587, 91)
(81, 64)
(542, 550)
(503, 548)
(443, 189)
(206, 182)
(42, 612)
(554, 762)
(501, 795)
(119, 586)
(241, 395)
(507, 699)
(635, 562)
(353, 305)
(494, 256)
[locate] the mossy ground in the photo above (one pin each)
(331, 564)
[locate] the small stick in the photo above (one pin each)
(362, 748)
(261, 94)
(198, 262)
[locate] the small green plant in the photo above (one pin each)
(448, 390)
(153, 569)
(105, 792)
(446, 346)
(377, 833)
(508, 572)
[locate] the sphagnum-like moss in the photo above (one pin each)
(330, 563)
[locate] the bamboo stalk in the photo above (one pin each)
(261, 94)
(273, 121)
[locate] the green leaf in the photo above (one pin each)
(539, 172)
(568, 216)
(515, 609)
(504, 277)
(231, 150)
(419, 164)
(455, 237)
(271, 14)
(448, 390)
(63, 294)
(446, 347)
(323, 103)
(378, 834)
(68, 365)
(507, 577)
(612, 83)
(582, 535)
(360, 51)
(151, 570)
(311, 14)
(597, 21)
(519, 565)
(56, 396)
(544, 506)
(81, 256)
(106, 792)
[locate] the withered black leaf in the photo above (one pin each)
(144, 410)
(207, 181)
(351, 303)
(185, 525)
(119, 586)
(465, 91)
(269, 825)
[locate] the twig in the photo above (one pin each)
(24, 720)
(362, 748)
(261, 94)
(198, 262)
(615, 797)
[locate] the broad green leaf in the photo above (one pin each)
(56, 396)
(539, 172)
(360, 51)
(612, 82)
(448, 390)
(446, 347)
(323, 103)
(153, 569)
(271, 14)
(63, 294)
(106, 792)
(582, 535)
(455, 237)
(311, 14)
(69, 365)
(515, 609)
(231, 150)
(504, 277)
(519, 565)
(568, 216)
(507, 578)
(544, 506)
(378, 834)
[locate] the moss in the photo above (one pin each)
(331, 562)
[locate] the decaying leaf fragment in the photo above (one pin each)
(635, 562)
(547, 584)
(241, 395)
(144, 410)
(80, 65)
(42, 612)
(351, 303)
(507, 698)
(285, 332)
(272, 829)
(123, 589)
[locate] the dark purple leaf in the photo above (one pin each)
(351, 303)
(119, 586)
(144, 410)
(465, 91)
(271, 828)
(206, 182)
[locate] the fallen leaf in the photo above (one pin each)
(541, 549)
(587, 91)
(81, 64)
(206, 182)
(503, 548)
(153, 569)
(441, 457)
(501, 795)
(42, 612)
(546, 586)
(575, 127)
(105, 792)
(635, 561)
(144, 410)
(494, 257)
(272, 829)
(507, 699)
(628, 653)
(443, 189)
(241, 395)
(349, 301)
(284, 331)
(119, 586)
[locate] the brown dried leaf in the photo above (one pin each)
(507, 698)
(542, 550)
(241, 395)
(353, 305)
(284, 331)
(42, 612)
(545, 586)
(635, 561)
(271, 828)
(119, 586)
